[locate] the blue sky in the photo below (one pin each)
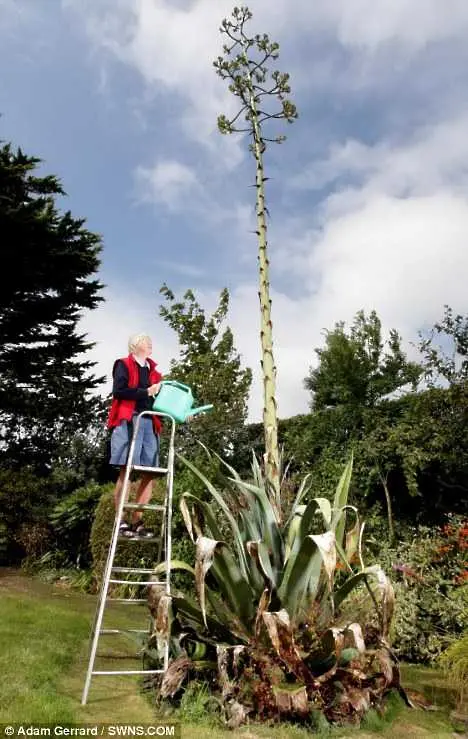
(368, 197)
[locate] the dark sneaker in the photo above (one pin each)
(142, 532)
(125, 529)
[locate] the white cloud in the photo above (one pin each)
(411, 24)
(123, 314)
(172, 45)
(437, 156)
(168, 182)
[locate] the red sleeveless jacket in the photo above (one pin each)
(123, 410)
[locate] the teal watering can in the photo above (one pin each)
(176, 400)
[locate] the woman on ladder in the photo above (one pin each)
(135, 383)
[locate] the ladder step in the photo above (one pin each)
(136, 582)
(133, 570)
(140, 539)
(153, 470)
(128, 600)
(124, 631)
(144, 507)
(127, 672)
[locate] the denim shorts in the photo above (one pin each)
(146, 453)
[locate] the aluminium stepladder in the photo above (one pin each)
(111, 573)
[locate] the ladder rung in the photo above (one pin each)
(136, 582)
(144, 507)
(140, 539)
(128, 600)
(124, 631)
(127, 672)
(135, 570)
(153, 470)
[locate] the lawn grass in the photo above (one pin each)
(44, 633)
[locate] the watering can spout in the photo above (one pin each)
(200, 409)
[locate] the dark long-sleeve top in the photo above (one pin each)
(121, 391)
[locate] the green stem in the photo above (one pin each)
(270, 419)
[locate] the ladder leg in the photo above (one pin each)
(164, 540)
(168, 527)
(108, 570)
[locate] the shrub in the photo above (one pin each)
(34, 538)
(129, 553)
(24, 499)
(71, 521)
(431, 595)
(455, 662)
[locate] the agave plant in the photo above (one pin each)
(272, 614)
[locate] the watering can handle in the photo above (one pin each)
(175, 383)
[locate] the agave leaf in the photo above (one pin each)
(354, 638)
(279, 630)
(163, 623)
(206, 512)
(228, 614)
(222, 504)
(353, 582)
(257, 472)
(272, 622)
(387, 595)
(204, 559)
(293, 535)
(259, 553)
(254, 529)
(291, 699)
(352, 540)
(325, 509)
(301, 525)
(270, 530)
(237, 592)
(387, 601)
(341, 499)
(302, 572)
(227, 685)
(175, 676)
(333, 642)
(358, 698)
(301, 493)
(262, 607)
(175, 564)
(189, 613)
(228, 660)
(326, 545)
(184, 509)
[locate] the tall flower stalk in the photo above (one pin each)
(244, 65)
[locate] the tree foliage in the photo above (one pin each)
(357, 368)
(52, 260)
(209, 363)
(446, 361)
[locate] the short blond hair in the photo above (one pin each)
(135, 341)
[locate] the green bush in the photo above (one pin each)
(71, 520)
(25, 499)
(131, 552)
(431, 609)
(455, 663)
(34, 538)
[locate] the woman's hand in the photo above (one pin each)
(154, 389)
